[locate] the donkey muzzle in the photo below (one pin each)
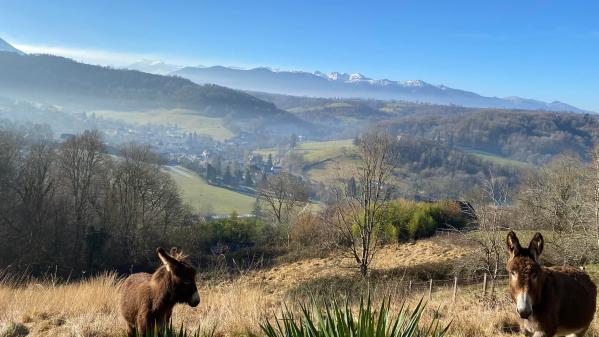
(524, 305)
(194, 300)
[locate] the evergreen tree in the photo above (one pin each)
(210, 172)
(269, 162)
(228, 177)
(248, 178)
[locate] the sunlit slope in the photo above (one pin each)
(204, 197)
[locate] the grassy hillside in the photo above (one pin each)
(204, 197)
(187, 120)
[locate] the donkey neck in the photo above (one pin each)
(545, 292)
(163, 295)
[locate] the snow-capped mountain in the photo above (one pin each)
(337, 84)
(153, 67)
(5, 46)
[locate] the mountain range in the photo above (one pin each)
(153, 67)
(332, 85)
(343, 85)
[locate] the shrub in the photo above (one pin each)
(422, 223)
(399, 214)
(450, 215)
(337, 321)
(415, 220)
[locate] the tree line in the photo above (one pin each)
(72, 206)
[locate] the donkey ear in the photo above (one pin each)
(513, 244)
(168, 261)
(536, 246)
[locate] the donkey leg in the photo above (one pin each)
(131, 331)
(141, 325)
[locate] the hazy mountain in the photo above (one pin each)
(344, 85)
(153, 67)
(5, 46)
(64, 82)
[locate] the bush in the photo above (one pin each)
(416, 220)
(399, 215)
(422, 224)
(337, 321)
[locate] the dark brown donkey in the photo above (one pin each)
(557, 301)
(147, 300)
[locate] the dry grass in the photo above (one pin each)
(235, 308)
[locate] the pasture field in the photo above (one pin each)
(324, 160)
(235, 306)
(204, 197)
(317, 151)
(499, 159)
(187, 120)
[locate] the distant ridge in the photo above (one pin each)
(343, 85)
(58, 80)
(5, 46)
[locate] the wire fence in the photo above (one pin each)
(487, 284)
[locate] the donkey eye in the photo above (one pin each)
(513, 273)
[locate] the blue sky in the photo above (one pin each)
(546, 50)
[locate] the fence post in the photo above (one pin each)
(485, 285)
(430, 289)
(410, 287)
(455, 288)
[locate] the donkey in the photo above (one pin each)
(147, 300)
(556, 301)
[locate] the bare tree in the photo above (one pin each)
(282, 194)
(357, 213)
(142, 199)
(490, 214)
(80, 161)
(556, 198)
(35, 187)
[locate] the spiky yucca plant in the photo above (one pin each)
(340, 321)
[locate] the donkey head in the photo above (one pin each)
(525, 273)
(182, 277)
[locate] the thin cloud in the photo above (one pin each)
(93, 56)
(100, 56)
(118, 59)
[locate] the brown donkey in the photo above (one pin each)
(557, 301)
(147, 300)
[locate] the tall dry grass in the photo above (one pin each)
(89, 308)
